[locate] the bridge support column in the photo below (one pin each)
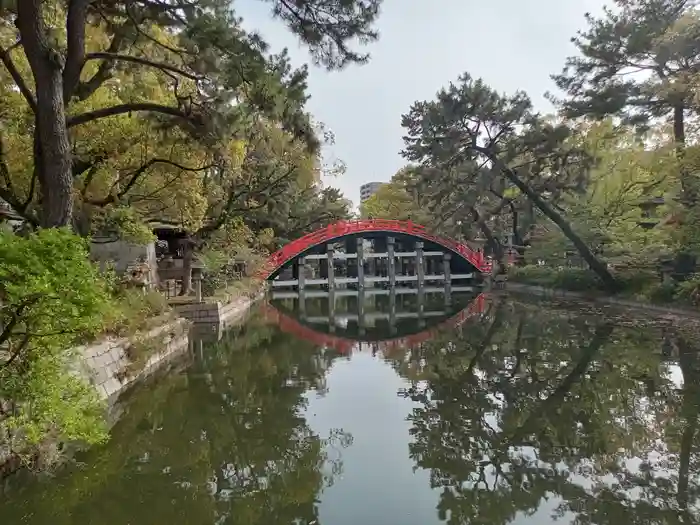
(331, 268)
(421, 307)
(301, 272)
(361, 311)
(392, 310)
(447, 272)
(302, 305)
(391, 261)
(360, 263)
(331, 311)
(420, 264)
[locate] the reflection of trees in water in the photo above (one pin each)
(225, 443)
(531, 404)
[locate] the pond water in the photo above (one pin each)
(489, 412)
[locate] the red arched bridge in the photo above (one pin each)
(344, 345)
(374, 227)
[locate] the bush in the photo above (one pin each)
(660, 292)
(572, 279)
(51, 299)
(132, 311)
(638, 280)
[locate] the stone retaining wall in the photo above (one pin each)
(106, 364)
(218, 312)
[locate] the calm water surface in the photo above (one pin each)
(511, 413)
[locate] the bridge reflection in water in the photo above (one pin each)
(377, 322)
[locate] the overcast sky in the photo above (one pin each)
(424, 44)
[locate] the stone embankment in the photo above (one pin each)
(114, 365)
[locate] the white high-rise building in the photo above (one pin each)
(368, 189)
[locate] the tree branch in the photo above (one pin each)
(121, 109)
(17, 77)
(15, 354)
(234, 196)
(104, 72)
(75, 52)
(144, 62)
(15, 318)
(136, 175)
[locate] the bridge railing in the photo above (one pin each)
(343, 228)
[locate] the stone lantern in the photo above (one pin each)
(649, 215)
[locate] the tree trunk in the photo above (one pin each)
(54, 152)
(599, 267)
(689, 192)
(187, 257)
(689, 416)
(534, 419)
(498, 267)
(689, 196)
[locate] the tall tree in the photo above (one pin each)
(203, 51)
(471, 126)
(639, 61)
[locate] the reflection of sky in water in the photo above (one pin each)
(379, 484)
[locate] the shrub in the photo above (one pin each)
(133, 309)
(572, 279)
(51, 299)
(637, 280)
(661, 292)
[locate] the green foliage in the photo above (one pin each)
(659, 38)
(133, 311)
(51, 298)
(655, 36)
(572, 279)
(125, 224)
(661, 292)
(169, 134)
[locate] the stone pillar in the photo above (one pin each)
(420, 264)
(360, 264)
(198, 289)
(351, 264)
(391, 261)
(301, 272)
(197, 281)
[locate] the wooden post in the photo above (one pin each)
(301, 271)
(391, 262)
(447, 272)
(420, 264)
(360, 264)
